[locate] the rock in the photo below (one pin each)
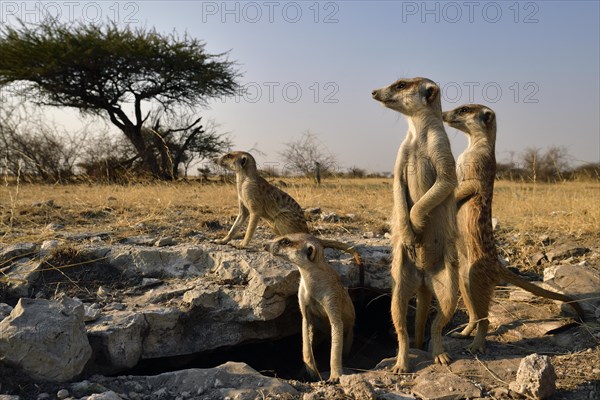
(15, 251)
(115, 306)
(231, 380)
(535, 378)
(5, 309)
(170, 262)
(49, 245)
(165, 241)
(21, 274)
(62, 394)
(9, 397)
(394, 395)
(355, 385)
(537, 258)
(46, 339)
(140, 240)
(444, 386)
(54, 226)
(86, 388)
(565, 251)
(91, 313)
(580, 282)
(42, 396)
(110, 395)
(117, 341)
(148, 283)
(368, 235)
(93, 237)
(495, 224)
(330, 217)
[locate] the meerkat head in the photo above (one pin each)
(300, 248)
(237, 161)
(410, 96)
(472, 119)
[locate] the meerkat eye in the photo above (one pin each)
(463, 110)
(400, 85)
(285, 242)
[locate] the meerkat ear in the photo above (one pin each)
(243, 161)
(430, 92)
(311, 251)
(487, 117)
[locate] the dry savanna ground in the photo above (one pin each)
(33, 212)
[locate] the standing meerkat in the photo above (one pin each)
(322, 298)
(424, 216)
(480, 271)
(258, 199)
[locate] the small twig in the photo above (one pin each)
(492, 373)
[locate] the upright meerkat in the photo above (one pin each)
(322, 298)
(258, 199)
(480, 270)
(424, 216)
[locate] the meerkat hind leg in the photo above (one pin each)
(442, 284)
(480, 295)
(466, 292)
(405, 282)
(424, 297)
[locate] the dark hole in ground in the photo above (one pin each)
(374, 340)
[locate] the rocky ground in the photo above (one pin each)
(90, 316)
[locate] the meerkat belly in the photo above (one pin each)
(420, 176)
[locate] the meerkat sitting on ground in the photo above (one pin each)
(480, 271)
(258, 199)
(322, 298)
(423, 218)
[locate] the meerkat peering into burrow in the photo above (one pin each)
(258, 199)
(480, 271)
(324, 301)
(424, 216)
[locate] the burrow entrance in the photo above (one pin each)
(374, 340)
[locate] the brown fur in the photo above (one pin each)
(322, 299)
(424, 216)
(258, 199)
(480, 270)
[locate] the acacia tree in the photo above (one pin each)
(114, 71)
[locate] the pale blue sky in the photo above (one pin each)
(542, 55)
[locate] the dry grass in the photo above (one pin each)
(571, 208)
(178, 209)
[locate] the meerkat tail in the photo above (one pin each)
(334, 244)
(516, 280)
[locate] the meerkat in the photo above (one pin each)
(423, 222)
(480, 271)
(323, 300)
(258, 199)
